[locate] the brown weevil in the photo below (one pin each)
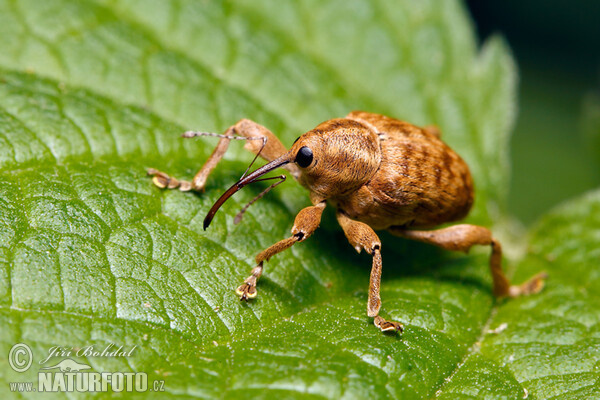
(380, 173)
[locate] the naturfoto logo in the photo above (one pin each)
(69, 375)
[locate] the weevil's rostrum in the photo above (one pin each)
(380, 174)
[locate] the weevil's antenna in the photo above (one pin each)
(264, 143)
(239, 215)
(253, 177)
(191, 134)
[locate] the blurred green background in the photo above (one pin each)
(556, 45)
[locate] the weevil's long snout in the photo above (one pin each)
(252, 177)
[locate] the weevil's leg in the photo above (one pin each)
(306, 223)
(163, 180)
(258, 137)
(362, 237)
(461, 238)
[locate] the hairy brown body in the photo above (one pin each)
(420, 182)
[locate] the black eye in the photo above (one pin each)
(304, 157)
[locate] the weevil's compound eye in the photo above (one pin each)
(304, 157)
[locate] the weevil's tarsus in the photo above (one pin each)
(238, 217)
(388, 326)
(165, 181)
(284, 159)
(247, 290)
(461, 238)
(532, 286)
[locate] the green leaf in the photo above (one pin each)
(91, 253)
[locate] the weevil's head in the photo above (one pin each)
(337, 157)
(334, 159)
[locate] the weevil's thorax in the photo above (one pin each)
(346, 155)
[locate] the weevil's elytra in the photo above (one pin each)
(380, 174)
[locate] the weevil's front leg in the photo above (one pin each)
(362, 237)
(258, 139)
(306, 223)
(461, 238)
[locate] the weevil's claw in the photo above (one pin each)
(164, 181)
(532, 286)
(388, 326)
(246, 291)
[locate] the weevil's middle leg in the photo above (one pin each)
(461, 238)
(362, 237)
(258, 139)
(306, 223)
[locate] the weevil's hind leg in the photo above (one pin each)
(362, 237)
(258, 140)
(306, 223)
(461, 238)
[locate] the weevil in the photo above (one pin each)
(379, 173)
